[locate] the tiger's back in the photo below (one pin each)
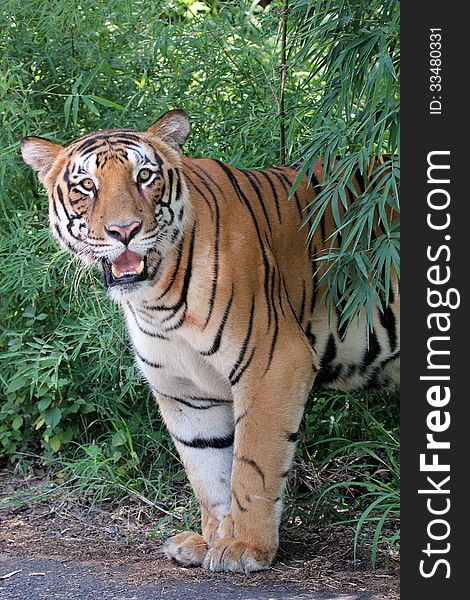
(275, 234)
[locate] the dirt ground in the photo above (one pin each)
(62, 548)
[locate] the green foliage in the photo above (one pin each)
(74, 68)
(68, 383)
(353, 49)
(349, 465)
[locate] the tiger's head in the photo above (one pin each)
(117, 198)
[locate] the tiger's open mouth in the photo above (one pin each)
(128, 268)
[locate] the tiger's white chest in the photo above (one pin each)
(171, 362)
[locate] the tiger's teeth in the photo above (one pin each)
(115, 271)
(137, 271)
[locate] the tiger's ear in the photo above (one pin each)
(39, 154)
(172, 128)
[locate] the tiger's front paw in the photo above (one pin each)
(187, 549)
(236, 556)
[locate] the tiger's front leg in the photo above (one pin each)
(203, 435)
(268, 410)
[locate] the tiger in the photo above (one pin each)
(219, 286)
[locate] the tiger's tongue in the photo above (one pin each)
(128, 262)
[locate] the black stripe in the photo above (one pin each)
(60, 196)
(147, 361)
(218, 338)
(284, 179)
(329, 353)
(58, 190)
(328, 372)
(100, 148)
(128, 142)
(315, 181)
(63, 240)
(188, 272)
(167, 204)
(157, 157)
(125, 134)
(280, 285)
(215, 443)
(387, 319)
(327, 375)
(215, 276)
(179, 186)
(176, 232)
(294, 312)
(171, 177)
(178, 323)
(276, 323)
(245, 343)
(187, 402)
(275, 195)
(179, 252)
(114, 139)
(162, 195)
(240, 507)
(144, 331)
(237, 377)
(378, 378)
(210, 178)
(91, 145)
(390, 359)
(371, 352)
(201, 193)
(242, 416)
(312, 338)
(152, 274)
(255, 466)
(255, 185)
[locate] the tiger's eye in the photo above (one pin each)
(87, 184)
(144, 175)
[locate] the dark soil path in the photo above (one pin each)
(40, 579)
(62, 550)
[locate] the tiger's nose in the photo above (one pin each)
(124, 232)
